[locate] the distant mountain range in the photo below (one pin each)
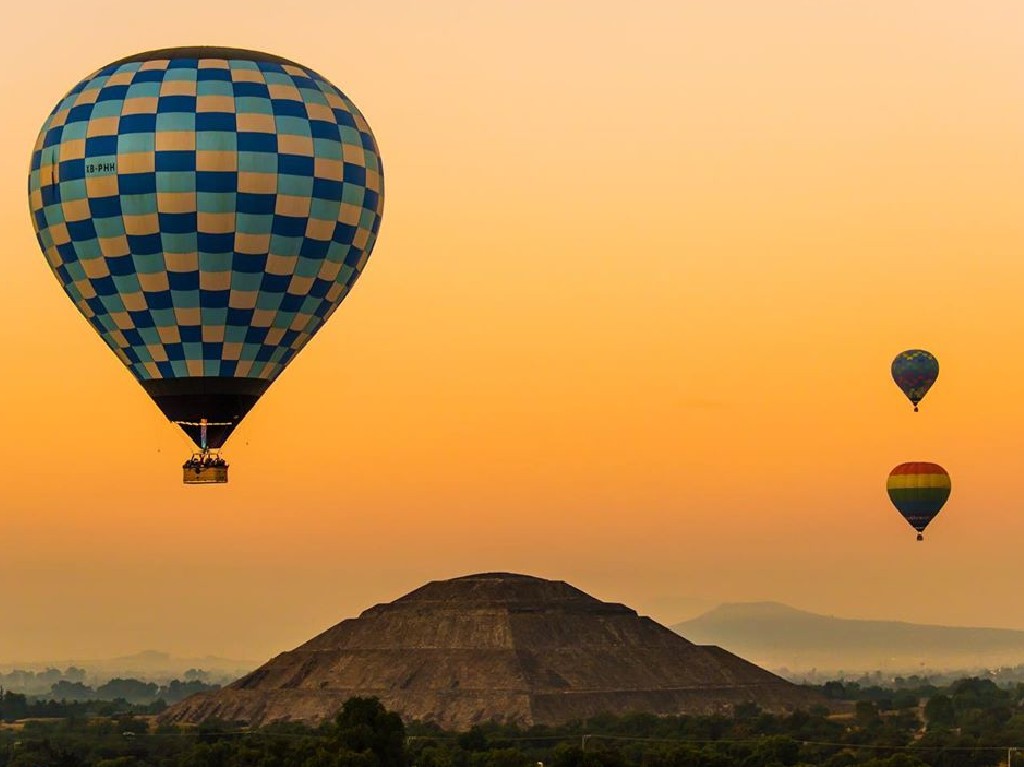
(784, 639)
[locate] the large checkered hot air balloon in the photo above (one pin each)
(918, 490)
(207, 210)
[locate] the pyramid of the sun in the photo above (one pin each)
(496, 646)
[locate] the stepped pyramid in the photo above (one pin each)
(496, 646)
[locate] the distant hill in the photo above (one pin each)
(782, 638)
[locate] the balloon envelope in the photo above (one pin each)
(206, 209)
(918, 490)
(914, 371)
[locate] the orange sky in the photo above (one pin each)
(628, 324)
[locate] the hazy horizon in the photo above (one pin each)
(176, 658)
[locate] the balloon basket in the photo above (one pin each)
(205, 468)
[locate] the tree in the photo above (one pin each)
(364, 725)
(867, 713)
(65, 690)
(776, 749)
(74, 674)
(939, 712)
(132, 690)
(13, 706)
(178, 690)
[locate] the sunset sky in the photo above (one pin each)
(628, 324)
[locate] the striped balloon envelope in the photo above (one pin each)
(914, 371)
(918, 490)
(207, 210)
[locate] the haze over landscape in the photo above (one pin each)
(795, 643)
(628, 324)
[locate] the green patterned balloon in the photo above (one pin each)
(914, 371)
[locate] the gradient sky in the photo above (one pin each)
(641, 274)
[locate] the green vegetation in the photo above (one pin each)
(70, 685)
(1003, 676)
(970, 723)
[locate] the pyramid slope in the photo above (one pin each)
(496, 646)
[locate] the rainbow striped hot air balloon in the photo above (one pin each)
(207, 210)
(918, 490)
(914, 371)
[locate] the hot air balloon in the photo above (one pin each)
(918, 490)
(914, 371)
(207, 210)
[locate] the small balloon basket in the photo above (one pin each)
(205, 468)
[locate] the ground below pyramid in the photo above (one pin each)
(496, 646)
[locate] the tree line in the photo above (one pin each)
(970, 723)
(71, 699)
(50, 682)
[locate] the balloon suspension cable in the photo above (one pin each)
(205, 455)
(203, 424)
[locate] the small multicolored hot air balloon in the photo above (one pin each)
(914, 371)
(918, 490)
(207, 210)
